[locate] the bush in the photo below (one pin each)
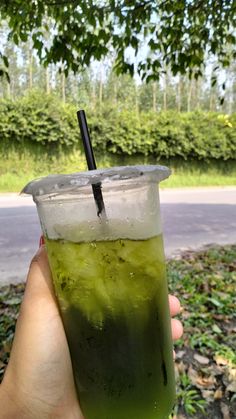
(37, 119)
(45, 121)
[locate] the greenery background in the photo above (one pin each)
(185, 118)
(39, 135)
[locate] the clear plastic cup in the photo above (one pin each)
(110, 280)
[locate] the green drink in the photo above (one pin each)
(115, 313)
(110, 282)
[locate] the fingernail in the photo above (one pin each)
(41, 241)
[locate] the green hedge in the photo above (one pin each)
(40, 119)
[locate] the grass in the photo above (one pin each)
(195, 174)
(18, 168)
(195, 178)
(205, 356)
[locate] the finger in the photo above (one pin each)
(39, 281)
(41, 241)
(39, 302)
(39, 305)
(33, 342)
(174, 305)
(176, 328)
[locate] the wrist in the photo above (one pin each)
(17, 401)
(10, 408)
(14, 406)
(69, 411)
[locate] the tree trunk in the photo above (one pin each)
(63, 88)
(231, 92)
(165, 91)
(230, 105)
(179, 95)
(115, 92)
(93, 94)
(136, 99)
(8, 90)
(47, 77)
(30, 67)
(154, 96)
(189, 98)
(213, 92)
(100, 87)
(211, 102)
(197, 93)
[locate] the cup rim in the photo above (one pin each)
(64, 183)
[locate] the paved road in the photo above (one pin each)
(191, 218)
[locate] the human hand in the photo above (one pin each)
(38, 382)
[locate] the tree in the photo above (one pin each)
(121, 91)
(229, 105)
(29, 67)
(150, 96)
(180, 32)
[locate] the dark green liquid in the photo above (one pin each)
(117, 326)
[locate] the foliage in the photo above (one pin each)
(177, 34)
(10, 299)
(210, 298)
(37, 119)
(205, 356)
(44, 121)
(99, 85)
(188, 397)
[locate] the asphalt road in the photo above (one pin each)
(191, 218)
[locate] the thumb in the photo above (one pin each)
(39, 280)
(38, 310)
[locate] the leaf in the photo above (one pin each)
(214, 301)
(5, 60)
(232, 387)
(193, 375)
(216, 329)
(213, 82)
(206, 382)
(208, 395)
(220, 360)
(201, 359)
(4, 73)
(15, 38)
(13, 301)
(222, 101)
(225, 411)
(218, 394)
(23, 36)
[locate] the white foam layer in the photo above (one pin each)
(105, 230)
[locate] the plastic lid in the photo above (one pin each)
(58, 184)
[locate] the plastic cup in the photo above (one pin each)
(110, 281)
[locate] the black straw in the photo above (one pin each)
(97, 191)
